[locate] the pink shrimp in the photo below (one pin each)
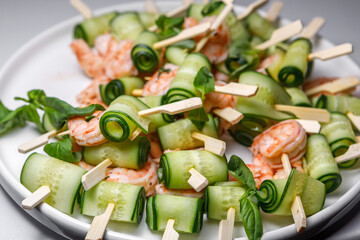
(285, 137)
(218, 100)
(190, 22)
(265, 63)
(161, 189)
(91, 94)
(322, 80)
(280, 173)
(260, 169)
(105, 44)
(155, 147)
(145, 177)
(86, 133)
(159, 84)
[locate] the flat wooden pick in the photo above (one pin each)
(95, 175)
(334, 52)
(297, 208)
(352, 153)
(137, 92)
(82, 8)
(170, 233)
(237, 89)
(310, 126)
(211, 144)
(150, 6)
(197, 181)
(226, 227)
(221, 17)
(229, 114)
(354, 119)
(183, 35)
(307, 113)
(274, 11)
(313, 27)
(36, 197)
(174, 108)
(336, 86)
(135, 134)
(37, 142)
(252, 7)
(99, 224)
(281, 34)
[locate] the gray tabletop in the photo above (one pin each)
(22, 20)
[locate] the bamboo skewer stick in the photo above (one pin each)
(135, 134)
(355, 120)
(352, 153)
(174, 108)
(36, 197)
(312, 28)
(252, 7)
(229, 114)
(211, 144)
(226, 227)
(150, 6)
(170, 233)
(321, 115)
(197, 181)
(297, 209)
(357, 138)
(281, 34)
(336, 86)
(274, 11)
(37, 142)
(237, 89)
(82, 8)
(188, 2)
(310, 126)
(95, 175)
(99, 224)
(334, 52)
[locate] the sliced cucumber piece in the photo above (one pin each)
(126, 25)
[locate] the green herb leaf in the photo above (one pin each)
(198, 117)
(251, 218)
(62, 150)
(204, 82)
(163, 69)
(169, 26)
(238, 169)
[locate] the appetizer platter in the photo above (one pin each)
(210, 121)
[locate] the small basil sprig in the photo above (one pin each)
(205, 83)
(250, 216)
(169, 26)
(238, 169)
(63, 150)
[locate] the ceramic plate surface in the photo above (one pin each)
(46, 62)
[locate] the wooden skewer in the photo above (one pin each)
(237, 89)
(357, 139)
(274, 11)
(252, 7)
(170, 233)
(99, 224)
(310, 126)
(229, 114)
(188, 2)
(336, 86)
(211, 144)
(321, 115)
(183, 35)
(137, 92)
(334, 52)
(352, 153)
(354, 119)
(174, 108)
(150, 6)
(37, 142)
(281, 34)
(312, 28)
(197, 181)
(82, 8)
(135, 134)
(226, 227)
(205, 1)
(297, 209)
(36, 197)
(95, 175)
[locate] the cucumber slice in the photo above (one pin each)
(143, 55)
(342, 104)
(126, 25)
(129, 201)
(127, 154)
(63, 178)
(187, 213)
(259, 26)
(298, 97)
(175, 55)
(277, 58)
(148, 19)
(194, 11)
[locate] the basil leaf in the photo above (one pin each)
(62, 150)
(204, 82)
(251, 218)
(198, 117)
(238, 169)
(169, 26)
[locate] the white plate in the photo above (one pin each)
(46, 62)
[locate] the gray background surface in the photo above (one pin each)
(21, 20)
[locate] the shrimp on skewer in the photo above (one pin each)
(86, 133)
(161, 189)
(218, 100)
(91, 94)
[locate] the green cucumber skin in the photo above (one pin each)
(342, 104)
(143, 55)
(127, 154)
(187, 213)
(126, 25)
(175, 166)
(194, 11)
(129, 201)
(320, 163)
(64, 180)
(298, 97)
(156, 120)
(175, 55)
(259, 26)
(148, 19)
